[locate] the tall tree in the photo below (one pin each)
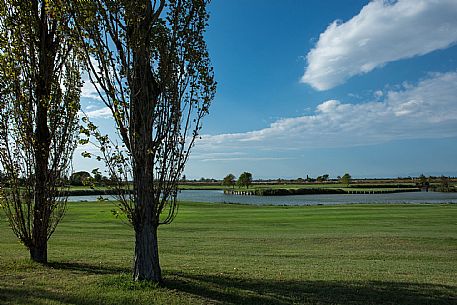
(148, 59)
(39, 102)
(346, 179)
(245, 179)
(229, 180)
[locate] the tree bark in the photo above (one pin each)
(146, 261)
(42, 211)
(38, 249)
(146, 264)
(39, 253)
(143, 99)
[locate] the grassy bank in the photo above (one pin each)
(265, 188)
(215, 253)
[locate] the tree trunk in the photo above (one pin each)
(146, 265)
(143, 99)
(39, 253)
(146, 260)
(42, 210)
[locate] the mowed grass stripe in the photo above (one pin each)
(239, 254)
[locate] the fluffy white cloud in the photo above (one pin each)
(383, 31)
(101, 113)
(425, 110)
(88, 89)
(231, 156)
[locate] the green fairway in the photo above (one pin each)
(234, 254)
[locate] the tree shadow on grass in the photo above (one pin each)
(18, 295)
(232, 290)
(87, 268)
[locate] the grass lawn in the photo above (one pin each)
(234, 254)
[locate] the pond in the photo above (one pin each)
(218, 196)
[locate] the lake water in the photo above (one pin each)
(217, 196)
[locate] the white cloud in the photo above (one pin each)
(89, 147)
(383, 31)
(102, 113)
(90, 107)
(231, 156)
(425, 110)
(378, 94)
(88, 89)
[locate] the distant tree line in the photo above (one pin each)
(79, 178)
(440, 184)
(82, 178)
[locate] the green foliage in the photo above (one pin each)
(160, 86)
(80, 178)
(322, 178)
(245, 179)
(346, 179)
(229, 180)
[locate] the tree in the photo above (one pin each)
(346, 179)
(152, 70)
(245, 179)
(39, 101)
(98, 178)
(322, 178)
(79, 178)
(229, 180)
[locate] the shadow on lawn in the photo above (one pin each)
(87, 268)
(231, 290)
(225, 289)
(17, 295)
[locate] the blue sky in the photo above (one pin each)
(316, 87)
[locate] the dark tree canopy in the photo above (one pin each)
(80, 178)
(148, 59)
(229, 180)
(245, 179)
(39, 101)
(346, 179)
